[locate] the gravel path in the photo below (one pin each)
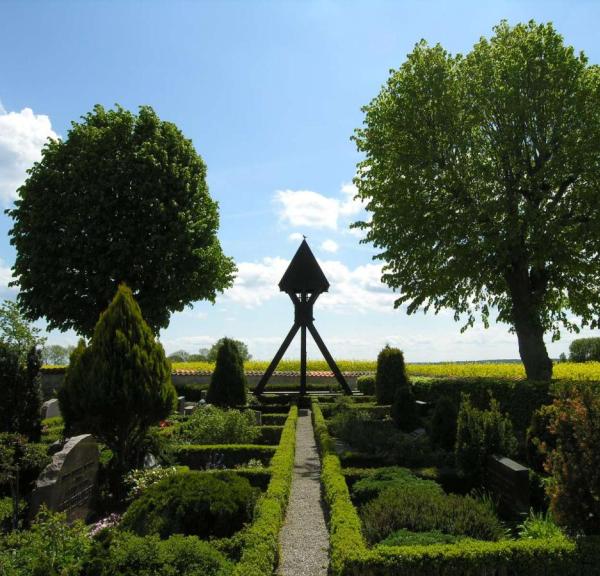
(304, 539)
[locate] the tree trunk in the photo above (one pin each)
(528, 326)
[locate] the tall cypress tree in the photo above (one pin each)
(120, 384)
(228, 383)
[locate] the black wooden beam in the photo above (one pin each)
(284, 346)
(334, 367)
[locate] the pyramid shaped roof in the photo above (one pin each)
(304, 273)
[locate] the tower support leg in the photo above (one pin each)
(269, 372)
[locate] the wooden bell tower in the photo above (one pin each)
(303, 281)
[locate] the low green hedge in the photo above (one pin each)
(198, 456)
(351, 557)
(366, 384)
(261, 542)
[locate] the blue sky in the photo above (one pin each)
(270, 93)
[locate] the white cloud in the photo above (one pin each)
(22, 136)
(295, 237)
(329, 246)
(305, 208)
(352, 290)
(6, 276)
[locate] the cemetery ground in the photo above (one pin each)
(436, 484)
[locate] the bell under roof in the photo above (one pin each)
(304, 273)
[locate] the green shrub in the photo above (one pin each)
(539, 525)
(374, 483)
(480, 434)
(575, 462)
(423, 510)
(125, 554)
(193, 503)
(200, 457)
(404, 409)
(407, 538)
(50, 548)
(119, 385)
(366, 385)
(228, 384)
(443, 423)
(136, 481)
(21, 394)
(539, 441)
(213, 425)
(391, 374)
(585, 350)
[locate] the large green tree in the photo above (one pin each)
(123, 198)
(482, 176)
(119, 385)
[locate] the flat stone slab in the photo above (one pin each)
(304, 539)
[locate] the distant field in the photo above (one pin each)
(562, 370)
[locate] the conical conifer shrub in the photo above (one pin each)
(120, 384)
(228, 383)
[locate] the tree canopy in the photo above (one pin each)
(482, 177)
(16, 331)
(122, 199)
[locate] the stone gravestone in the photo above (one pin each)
(67, 484)
(180, 404)
(509, 481)
(50, 409)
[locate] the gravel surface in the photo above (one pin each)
(304, 539)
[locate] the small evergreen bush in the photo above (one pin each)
(119, 385)
(366, 385)
(125, 554)
(539, 441)
(404, 409)
(228, 385)
(193, 503)
(20, 409)
(574, 464)
(382, 479)
(443, 423)
(391, 374)
(419, 509)
(480, 434)
(212, 425)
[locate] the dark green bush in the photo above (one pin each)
(366, 385)
(391, 374)
(480, 434)
(199, 456)
(21, 394)
(193, 503)
(443, 423)
(424, 510)
(404, 409)
(585, 350)
(574, 464)
(125, 554)
(228, 384)
(539, 440)
(376, 482)
(407, 538)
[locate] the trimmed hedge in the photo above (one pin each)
(351, 557)
(366, 385)
(198, 456)
(520, 398)
(261, 542)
